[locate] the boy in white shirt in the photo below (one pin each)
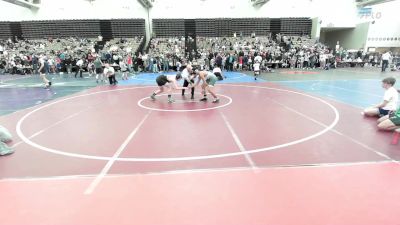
(124, 70)
(390, 100)
(256, 67)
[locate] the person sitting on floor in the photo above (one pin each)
(390, 122)
(390, 100)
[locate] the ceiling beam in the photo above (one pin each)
(364, 3)
(145, 3)
(259, 3)
(23, 4)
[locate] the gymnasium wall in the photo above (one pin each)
(338, 13)
(11, 12)
(384, 29)
(76, 9)
(349, 38)
(191, 9)
(335, 13)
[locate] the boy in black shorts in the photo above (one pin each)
(169, 81)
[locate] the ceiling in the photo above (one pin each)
(363, 3)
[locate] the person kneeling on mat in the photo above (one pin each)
(5, 137)
(170, 82)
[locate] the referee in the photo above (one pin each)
(188, 79)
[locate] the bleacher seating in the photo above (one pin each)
(5, 31)
(164, 46)
(227, 26)
(219, 27)
(133, 44)
(60, 28)
(169, 27)
(91, 28)
(296, 26)
(128, 28)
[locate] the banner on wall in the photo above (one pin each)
(367, 13)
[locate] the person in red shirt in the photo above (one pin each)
(240, 62)
(129, 63)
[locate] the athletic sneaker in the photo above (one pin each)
(203, 99)
(215, 100)
(171, 100)
(153, 97)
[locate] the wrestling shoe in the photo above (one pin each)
(215, 100)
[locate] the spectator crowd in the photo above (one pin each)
(235, 53)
